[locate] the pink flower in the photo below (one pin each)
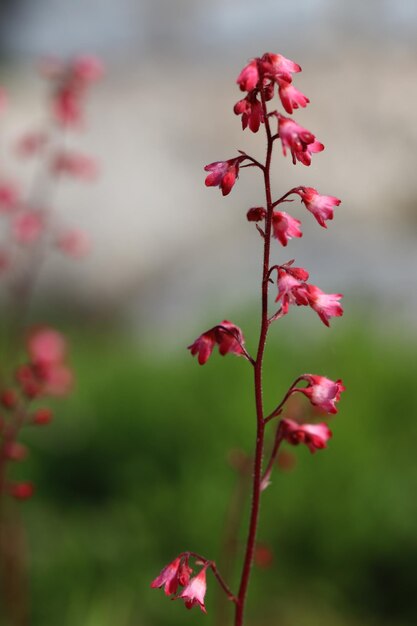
(223, 174)
(168, 578)
(251, 111)
(315, 436)
(9, 197)
(75, 243)
(226, 335)
(320, 206)
(256, 214)
(249, 76)
(31, 143)
(87, 68)
(322, 392)
(291, 97)
(326, 305)
(300, 141)
(278, 68)
(77, 165)
(46, 346)
(28, 226)
(195, 591)
(21, 491)
(291, 287)
(285, 227)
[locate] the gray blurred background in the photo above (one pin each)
(165, 247)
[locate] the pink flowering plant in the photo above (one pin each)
(32, 231)
(262, 79)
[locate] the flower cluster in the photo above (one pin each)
(178, 574)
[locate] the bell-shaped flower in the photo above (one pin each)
(249, 76)
(291, 97)
(292, 287)
(322, 392)
(278, 68)
(300, 141)
(326, 305)
(194, 592)
(168, 577)
(320, 206)
(256, 214)
(250, 109)
(315, 436)
(226, 335)
(285, 227)
(223, 174)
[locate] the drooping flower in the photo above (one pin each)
(249, 76)
(285, 227)
(28, 226)
(315, 436)
(322, 392)
(168, 577)
(278, 68)
(193, 594)
(73, 164)
(291, 97)
(226, 335)
(320, 206)
(223, 174)
(291, 287)
(300, 141)
(250, 108)
(326, 305)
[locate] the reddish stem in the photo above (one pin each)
(257, 467)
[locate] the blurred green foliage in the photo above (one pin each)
(134, 470)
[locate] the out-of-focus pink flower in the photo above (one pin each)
(168, 577)
(87, 68)
(315, 436)
(249, 76)
(250, 109)
(300, 141)
(194, 592)
(46, 346)
(326, 305)
(322, 392)
(21, 491)
(57, 379)
(8, 398)
(320, 206)
(291, 97)
(223, 174)
(292, 287)
(42, 416)
(77, 165)
(28, 226)
(9, 197)
(15, 451)
(263, 556)
(75, 243)
(31, 143)
(285, 227)
(226, 335)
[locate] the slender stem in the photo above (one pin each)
(257, 467)
(274, 452)
(278, 409)
(212, 565)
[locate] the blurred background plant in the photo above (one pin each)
(128, 473)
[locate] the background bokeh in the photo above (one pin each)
(135, 468)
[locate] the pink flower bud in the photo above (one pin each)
(15, 451)
(31, 143)
(9, 197)
(21, 491)
(42, 416)
(46, 346)
(76, 165)
(28, 226)
(250, 109)
(315, 436)
(256, 214)
(9, 398)
(285, 227)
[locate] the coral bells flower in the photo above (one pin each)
(322, 392)
(285, 227)
(291, 287)
(75, 243)
(21, 491)
(226, 335)
(9, 197)
(46, 346)
(300, 141)
(47, 372)
(195, 591)
(168, 578)
(223, 174)
(278, 68)
(76, 165)
(28, 226)
(320, 206)
(249, 76)
(256, 214)
(251, 111)
(291, 97)
(326, 305)
(315, 436)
